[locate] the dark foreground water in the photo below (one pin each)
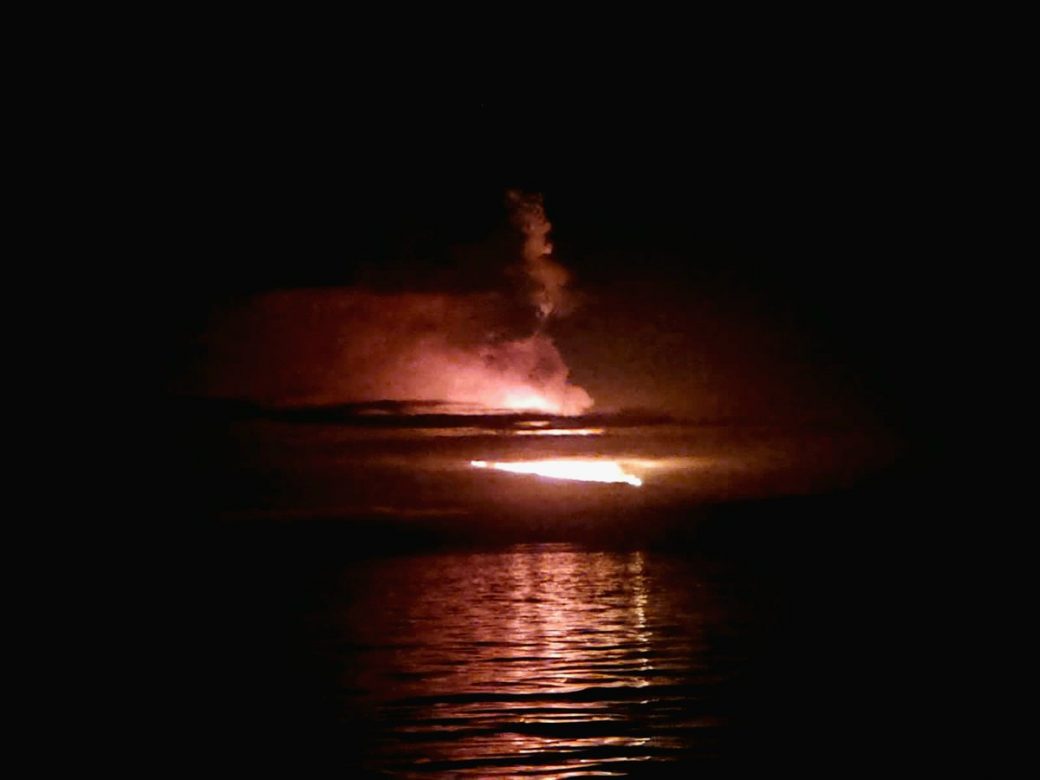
(627, 638)
(749, 645)
(537, 659)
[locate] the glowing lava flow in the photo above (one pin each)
(583, 470)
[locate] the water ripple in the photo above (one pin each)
(541, 660)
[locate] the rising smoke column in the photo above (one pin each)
(548, 279)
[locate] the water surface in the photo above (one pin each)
(370, 601)
(537, 660)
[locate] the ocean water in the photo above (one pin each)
(371, 602)
(538, 659)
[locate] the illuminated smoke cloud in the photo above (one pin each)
(346, 345)
(448, 348)
(323, 346)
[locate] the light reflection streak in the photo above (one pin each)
(580, 469)
(466, 431)
(560, 432)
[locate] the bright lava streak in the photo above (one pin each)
(583, 470)
(560, 432)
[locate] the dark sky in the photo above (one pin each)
(784, 239)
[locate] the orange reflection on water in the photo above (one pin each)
(545, 657)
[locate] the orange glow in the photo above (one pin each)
(584, 469)
(561, 432)
(524, 400)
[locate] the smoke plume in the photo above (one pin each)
(548, 279)
(340, 345)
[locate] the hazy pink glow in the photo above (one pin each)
(345, 345)
(585, 470)
(485, 351)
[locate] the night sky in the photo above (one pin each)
(741, 258)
